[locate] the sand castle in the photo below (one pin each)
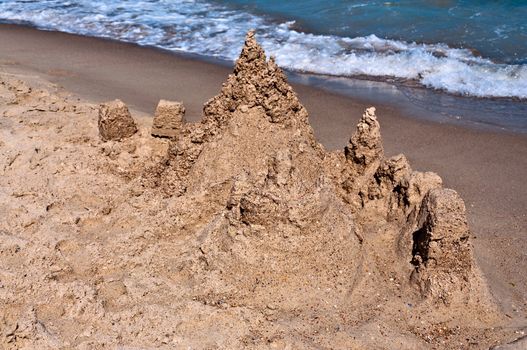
(295, 214)
(255, 135)
(241, 232)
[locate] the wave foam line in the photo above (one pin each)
(214, 30)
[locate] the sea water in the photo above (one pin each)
(464, 48)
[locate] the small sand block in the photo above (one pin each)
(168, 119)
(115, 121)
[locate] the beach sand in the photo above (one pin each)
(486, 168)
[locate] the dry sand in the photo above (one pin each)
(225, 254)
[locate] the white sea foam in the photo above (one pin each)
(214, 30)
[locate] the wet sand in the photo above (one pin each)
(487, 168)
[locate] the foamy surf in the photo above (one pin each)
(212, 29)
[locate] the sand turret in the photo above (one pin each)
(441, 251)
(168, 119)
(115, 121)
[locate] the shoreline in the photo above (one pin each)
(485, 167)
(416, 101)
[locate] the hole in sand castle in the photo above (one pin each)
(420, 246)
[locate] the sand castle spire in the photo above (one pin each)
(256, 82)
(365, 149)
(252, 55)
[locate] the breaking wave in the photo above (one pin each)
(212, 29)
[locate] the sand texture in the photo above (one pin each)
(239, 231)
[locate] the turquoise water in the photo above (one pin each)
(466, 48)
(494, 29)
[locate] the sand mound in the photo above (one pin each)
(240, 231)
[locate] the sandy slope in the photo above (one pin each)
(243, 233)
